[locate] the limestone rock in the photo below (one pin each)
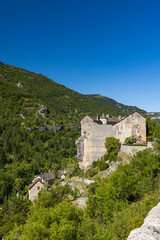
(43, 111)
(55, 128)
(42, 128)
(88, 182)
(30, 108)
(150, 230)
(82, 201)
(75, 128)
(30, 130)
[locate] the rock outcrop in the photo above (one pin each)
(54, 128)
(150, 230)
(43, 111)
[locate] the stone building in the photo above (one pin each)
(37, 184)
(95, 130)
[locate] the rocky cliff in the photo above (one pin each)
(150, 230)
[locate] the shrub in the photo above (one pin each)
(91, 172)
(101, 164)
(130, 140)
(112, 145)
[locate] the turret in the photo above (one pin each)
(103, 119)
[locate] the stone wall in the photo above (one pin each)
(93, 136)
(133, 125)
(132, 149)
(91, 144)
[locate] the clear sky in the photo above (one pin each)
(110, 47)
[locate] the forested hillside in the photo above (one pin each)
(112, 103)
(24, 92)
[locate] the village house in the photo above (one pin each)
(95, 130)
(37, 184)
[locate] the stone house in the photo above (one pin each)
(95, 130)
(37, 184)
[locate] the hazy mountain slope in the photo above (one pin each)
(112, 103)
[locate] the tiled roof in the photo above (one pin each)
(109, 120)
(116, 120)
(34, 182)
(47, 176)
(94, 118)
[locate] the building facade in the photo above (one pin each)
(37, 184)
(95, 130)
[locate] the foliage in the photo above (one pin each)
(115, 201)
(116, 205)
(91, 172)
(130, 140)
(153, 129)
(156, 146)
(112, 145)
(101, 164)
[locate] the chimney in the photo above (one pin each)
(97, 118)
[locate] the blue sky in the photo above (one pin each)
(110, 47)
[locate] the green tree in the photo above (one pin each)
(130, 140)
(112, 145)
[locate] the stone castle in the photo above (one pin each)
(95, 130)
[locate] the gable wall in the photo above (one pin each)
(33, 192)
(133, 125)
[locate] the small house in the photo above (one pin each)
(37, 184)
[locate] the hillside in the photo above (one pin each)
(23, 93)
(112, 103)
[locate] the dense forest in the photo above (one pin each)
(115, 205)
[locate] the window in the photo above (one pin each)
(38, 188)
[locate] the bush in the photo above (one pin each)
(112, 145)
(101, 164)
(130, 140)
(91, 172)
